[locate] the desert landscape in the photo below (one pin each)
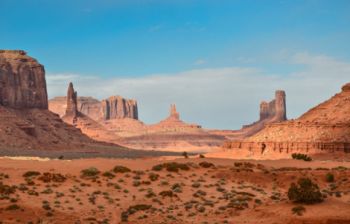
(170, 148)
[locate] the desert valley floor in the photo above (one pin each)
(193, 190)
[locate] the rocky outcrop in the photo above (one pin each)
(72, 104)
(22, 81)
(270, 112)
(115, 107)
(175, 135)
(25, 122)
(323, 129)
(274, 110)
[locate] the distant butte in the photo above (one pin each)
(323, 129)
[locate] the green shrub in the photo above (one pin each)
(300, 156)
(153, 176)
(108, 175)
(12, 207)
(31, 174)
(121, 169)
(299, 210)
(305, 192)
(329, 177)
(133, 209)
(90, 172)
(201, 156)
(171, 167)
(167, 194)
(206, 164)
(7, 189)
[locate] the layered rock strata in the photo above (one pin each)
(270, 112)
(114, 107)
(22, 81)
(25, 122)
(323, 129)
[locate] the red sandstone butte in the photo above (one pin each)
(25, 121)
(270, 112)
(22, 81)
(323, 129)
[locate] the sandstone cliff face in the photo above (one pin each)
(115, 107)
(275, 110)
(22, 81)
(25, 122)
(323, 129)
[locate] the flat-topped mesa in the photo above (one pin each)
(116, 107)
(72, 104)
(22, 81)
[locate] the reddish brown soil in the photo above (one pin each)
(203, 197)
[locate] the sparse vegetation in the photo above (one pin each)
(206, 164)
(171, 167)
(300, 156)
(133, 209)
(305, 192)
(31, 174)
(121, 169)
(90, 172)
(329, 177)
(298, 210)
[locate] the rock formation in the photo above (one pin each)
(115, 107)
(22, 81)
(25, 122)
(175, 135)
(323, 129)
(72, 104)
(274, 110)
(270, 112)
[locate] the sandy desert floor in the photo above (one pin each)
(139, 191)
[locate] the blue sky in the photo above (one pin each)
(136, 40)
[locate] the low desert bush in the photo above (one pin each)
(171, 167)
(121, 169)
(329, 177)
(305, 192)
(300, 156)
(31, 174)
(108, 175)
(298, 210)
(206, 164)
(90, 172)
(133, 209)
(153, 176)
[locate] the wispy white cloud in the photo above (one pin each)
(217, 97)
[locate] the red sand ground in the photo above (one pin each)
(204, 196)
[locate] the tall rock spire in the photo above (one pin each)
(173, 113)
(72, 105)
